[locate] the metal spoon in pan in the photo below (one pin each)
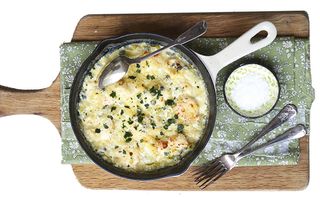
(120, 65)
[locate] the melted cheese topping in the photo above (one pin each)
(152, 117)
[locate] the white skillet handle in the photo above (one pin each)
(239, 48)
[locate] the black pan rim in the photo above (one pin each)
(186, 161)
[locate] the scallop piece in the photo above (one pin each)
(187, 108)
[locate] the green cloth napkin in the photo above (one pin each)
(288, 57)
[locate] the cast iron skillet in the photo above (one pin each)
(237, 49)
(105, 47)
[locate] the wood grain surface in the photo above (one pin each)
(97, 27)
(46, 102)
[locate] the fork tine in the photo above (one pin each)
(215, 179)
(203, 173)
(205, 168)
(199, 169)
(208, 174)
(208, 177)
(208, 167)
(213, 171)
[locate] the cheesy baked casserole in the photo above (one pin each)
(152, 117)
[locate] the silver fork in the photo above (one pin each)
(219, 167)
(212, 171)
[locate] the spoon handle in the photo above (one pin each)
(192, 33)
(286, 113)
(293, 133)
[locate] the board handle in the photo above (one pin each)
(44, 102)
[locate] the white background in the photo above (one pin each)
(30, 34)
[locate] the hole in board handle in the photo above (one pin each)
(259, 36)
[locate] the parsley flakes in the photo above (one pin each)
(180, 128)
(155, 92)
(97, 130)
(128, 136)
(169, 102)
(150, 77)
(113, 94)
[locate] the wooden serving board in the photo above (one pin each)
(46, 102)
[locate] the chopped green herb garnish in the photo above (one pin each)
(105, 126)
(126, 106)
(138, 70)
(124, 152)
(127, 134)
(150, 77)
(171, 121)
(176, 116)
(153, 124)
(147, 63)
(97, 130)
(90, 75)
(83, 96)
(135, 127)
(140, 115)
(155, 92)
(121, 112)
(161, 133)
(116, 147)
(132, 77)
(139, 95)
(141, 140)
(140, 119)
(109, 116)
(113, 108)
(138, 65)
(130, 121)
(113, 94)
(146, 105)
(169, 102)
(180, 128)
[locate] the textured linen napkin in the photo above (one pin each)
(288, 57)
